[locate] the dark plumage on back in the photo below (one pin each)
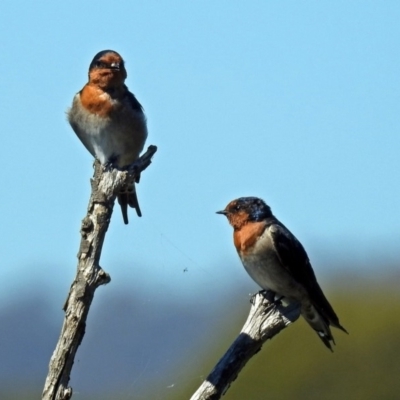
(277, 261)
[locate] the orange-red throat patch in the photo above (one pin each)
(246, 237)
(96, 101)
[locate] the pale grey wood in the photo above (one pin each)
(266, 319)
(89, 275)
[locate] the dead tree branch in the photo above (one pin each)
(265, 320)
(89, 275)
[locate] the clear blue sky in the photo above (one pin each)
(295, 102)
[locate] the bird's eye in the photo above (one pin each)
(100, 64)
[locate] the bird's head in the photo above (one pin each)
(246, 209)
(107, 70)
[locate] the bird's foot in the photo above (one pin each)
(111, 163)
(108, 166)
(267, 294)
(270, 295)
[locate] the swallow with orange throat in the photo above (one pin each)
(110, 121)
(277, 261)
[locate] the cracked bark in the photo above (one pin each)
(265, 320)
(89, 275)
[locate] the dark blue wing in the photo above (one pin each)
(294, 258)
(133, 101)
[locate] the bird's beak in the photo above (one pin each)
(115, 66)
(223, 212)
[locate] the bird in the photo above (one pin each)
(110, 121)
(278, 262)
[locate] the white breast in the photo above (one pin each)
(265, 268)
(121, 137)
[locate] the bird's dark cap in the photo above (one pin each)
(255, 208)
(99, 55)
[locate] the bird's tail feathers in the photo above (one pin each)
(134, 203)
(123, 202)
(323, 308)
(320, 324)
(337, 325)
(126, 197)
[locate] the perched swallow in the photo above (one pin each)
(277, 261)
(109, 120)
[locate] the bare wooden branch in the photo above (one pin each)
(89, 275)
(266, 319)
